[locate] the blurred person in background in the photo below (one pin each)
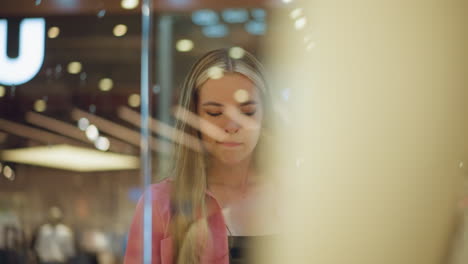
(54, 242)
(13, 247)
(216, 201)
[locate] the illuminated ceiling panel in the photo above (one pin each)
(70, 158)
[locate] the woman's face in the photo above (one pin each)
(231, 103)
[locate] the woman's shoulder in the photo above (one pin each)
(160, 194)
(160, 190)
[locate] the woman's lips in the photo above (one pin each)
(230, 144)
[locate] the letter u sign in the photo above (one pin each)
(16, 71)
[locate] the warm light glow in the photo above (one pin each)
(300, 23)
(296, 13)
(2, 91)
(105, 84)
(134, 100)
(236, 52)
(129, 4)
(102, 143)
(40, 105)
(8, 172)
(184, 45)
(83, 123)
(92, 133)
(53, 32)
(71, 158)
(74, 67)
(241, 96)
(215, 73)
(287, 1)
(120, 30)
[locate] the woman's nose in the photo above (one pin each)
(231, 127)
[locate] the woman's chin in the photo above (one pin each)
(232, 160)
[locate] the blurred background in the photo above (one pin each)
(371, 100)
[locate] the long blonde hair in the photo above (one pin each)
(189, 227)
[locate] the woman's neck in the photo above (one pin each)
(237, 176)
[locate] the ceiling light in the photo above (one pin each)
(258, 13)
(134, 100)
(120, 30)
(184, 45)
(256, 27)
(53, 32)
(74, 67)
(92, 133)
(40, 105)
(205, 17)
(105, 84)
(71, 158)
(215, 31)
(129, 4)
(235, 15)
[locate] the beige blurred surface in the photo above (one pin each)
(377, 130)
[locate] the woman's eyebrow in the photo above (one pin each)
(212, 103)
(220, 105)
(248, 103)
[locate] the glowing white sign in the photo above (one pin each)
(20, 70)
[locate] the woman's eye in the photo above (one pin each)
(214, 113)
(250, 113)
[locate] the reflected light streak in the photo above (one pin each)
(120, 132)
(196, 122)
(72, 131)
(35, 134)
(161, 128)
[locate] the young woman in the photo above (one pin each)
(215, 200)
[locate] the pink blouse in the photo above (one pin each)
(216, 250)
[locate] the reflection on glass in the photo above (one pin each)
(218, 192)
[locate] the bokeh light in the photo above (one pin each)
(236, 52)
(120, 30)
(102, 143)
(184, 45)
(92, 133)
(106, 84)
(241, 96)
(40, 105)
(53, 32)
(2, 91)
(74, 67)
(215, 73)
(134, 100)
(129, 4)
(83, 123)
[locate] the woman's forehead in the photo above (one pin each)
(231, 88)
